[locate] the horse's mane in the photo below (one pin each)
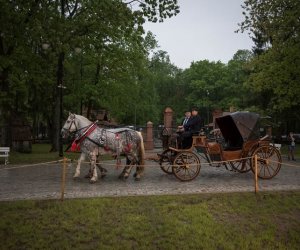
(82, 118)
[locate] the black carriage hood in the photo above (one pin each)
(239, 127)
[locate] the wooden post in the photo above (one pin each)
(255, 173)
(63, 178)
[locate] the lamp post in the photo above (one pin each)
(78, 50)
(61, 87)
(135, 116)
(207, 92)
(59, 100)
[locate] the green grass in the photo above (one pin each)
(206, 221)
(41, 153)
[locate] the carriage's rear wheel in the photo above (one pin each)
(242, 166)
(236, 165)
(268, 161)
(186, 166)
(245, 165)
(166, 160)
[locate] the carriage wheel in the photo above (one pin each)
(166, 160)
(245, 166)
(236, 165)
(242, 166)
(268, 161)
(186, 166)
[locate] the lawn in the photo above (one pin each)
(41, 153)
(204, 221)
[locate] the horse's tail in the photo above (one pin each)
(141, 150)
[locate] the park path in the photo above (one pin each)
(43, 181)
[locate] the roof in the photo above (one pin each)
(239, 127)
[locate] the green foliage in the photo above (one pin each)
(107, 62)
(275, 71)
(105, 73)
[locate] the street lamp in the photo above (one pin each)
(78, 50)
(207, 92)
(60, 76)
(45, 46)
(61, 87)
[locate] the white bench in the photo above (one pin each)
(4, 152)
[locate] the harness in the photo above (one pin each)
(80, 138)
(75, 146)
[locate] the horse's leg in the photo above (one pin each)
(77, 171)
(139, 171)
(103, 171)
(127, 169)
(93, 159)
(89, 174)
(140, 159)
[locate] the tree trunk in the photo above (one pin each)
(5, 110)
(57, 108)
(90, 105)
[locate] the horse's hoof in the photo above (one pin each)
(137, 178)
(134, 175)
(103, 170)
(103, 175)
(88, 176)
(75, 177)
(92, 181)
(123, 177)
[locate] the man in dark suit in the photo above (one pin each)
(192, 127)
(187, 116)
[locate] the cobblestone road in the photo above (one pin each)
(44, 182)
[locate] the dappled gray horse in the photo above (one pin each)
(94, 141)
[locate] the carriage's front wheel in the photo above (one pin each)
(268, 161)
(186, 166)
(166, 160)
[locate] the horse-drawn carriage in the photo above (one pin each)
(234, 148)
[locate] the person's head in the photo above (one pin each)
(291, 133)
(194, 111)
(187, 113)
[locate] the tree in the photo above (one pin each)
(275, 71)
(109, 33)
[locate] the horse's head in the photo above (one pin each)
(70, 125)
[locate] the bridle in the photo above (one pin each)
(76, 128)
(71, 123)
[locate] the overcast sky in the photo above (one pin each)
(204, 29)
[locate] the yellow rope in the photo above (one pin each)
(107, 163)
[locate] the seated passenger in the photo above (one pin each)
(192, 127)
(187, 117)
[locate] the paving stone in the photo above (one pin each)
(44, 182)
